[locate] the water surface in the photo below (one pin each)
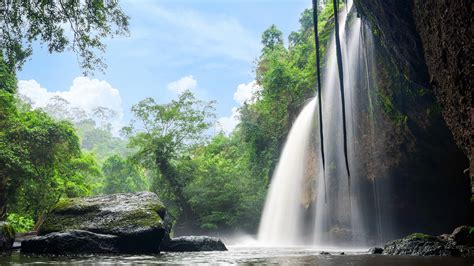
(244, 256)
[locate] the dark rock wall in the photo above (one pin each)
(445, 30)
(430, 43)
(415, 165)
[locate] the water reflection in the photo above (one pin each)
(244, 256)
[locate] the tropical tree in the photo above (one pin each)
(272, 38)
(41, 159)
(163, 134)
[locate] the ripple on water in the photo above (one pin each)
(246, 256)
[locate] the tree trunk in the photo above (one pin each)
(170, 175)
(3, 199)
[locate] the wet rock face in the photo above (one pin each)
(396, 26)
(139, 220)
(195, 243)
(420, 245)
(463, 236)
(459, 243)
(445, 30)
(7, 237)
(71, 242)
(430, 42)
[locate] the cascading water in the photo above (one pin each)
(343, 218)
(281, 219)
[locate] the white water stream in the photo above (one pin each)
(337, 218)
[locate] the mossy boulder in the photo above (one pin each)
(421, 245)
(7, 237)
(139, 220)
(459, 243)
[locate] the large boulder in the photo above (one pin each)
(458, 243)
(194, 243)
(7, 237)
(71, 242)
(421, 245)
(139, 220)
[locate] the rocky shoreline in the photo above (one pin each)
(459, 243)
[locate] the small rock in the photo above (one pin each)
(7, 238)
(462, 236)
(324, 253)
(194, 243)
(16, 245)
(342, 253)
(376, 250)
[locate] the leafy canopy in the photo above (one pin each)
(77, 25)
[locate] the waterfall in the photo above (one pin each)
(282, 216)
(347, 217)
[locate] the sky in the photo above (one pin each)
(206, 46)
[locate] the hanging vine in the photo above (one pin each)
(318, 74)
(341, 86)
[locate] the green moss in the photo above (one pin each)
(7, 229)
(79, 214)
(389, 108)
(419, 235)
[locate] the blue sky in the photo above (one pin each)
(206, 46)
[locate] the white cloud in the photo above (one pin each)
(244, 93)
(85, 93)
(228, 123)
(183, 84)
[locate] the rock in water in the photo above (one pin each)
(7, 237)
(71, 242)
(459, 243)
(463, 236)
(194, 243)
(376, 250)
(421, 245)
(139, 220)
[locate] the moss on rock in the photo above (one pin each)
(7, 237)
(138, 219)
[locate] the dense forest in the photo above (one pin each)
(61, 151)
(352, 140)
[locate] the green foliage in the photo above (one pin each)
(100, 141)
(40, 157)
(90, 21)
(21, 224)
(7, 77)
(169, 131)
(222, 174)
(272, 38)
(419, 235)
(122, 176)
(287, 77)
(7, 231)
(40, 160)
